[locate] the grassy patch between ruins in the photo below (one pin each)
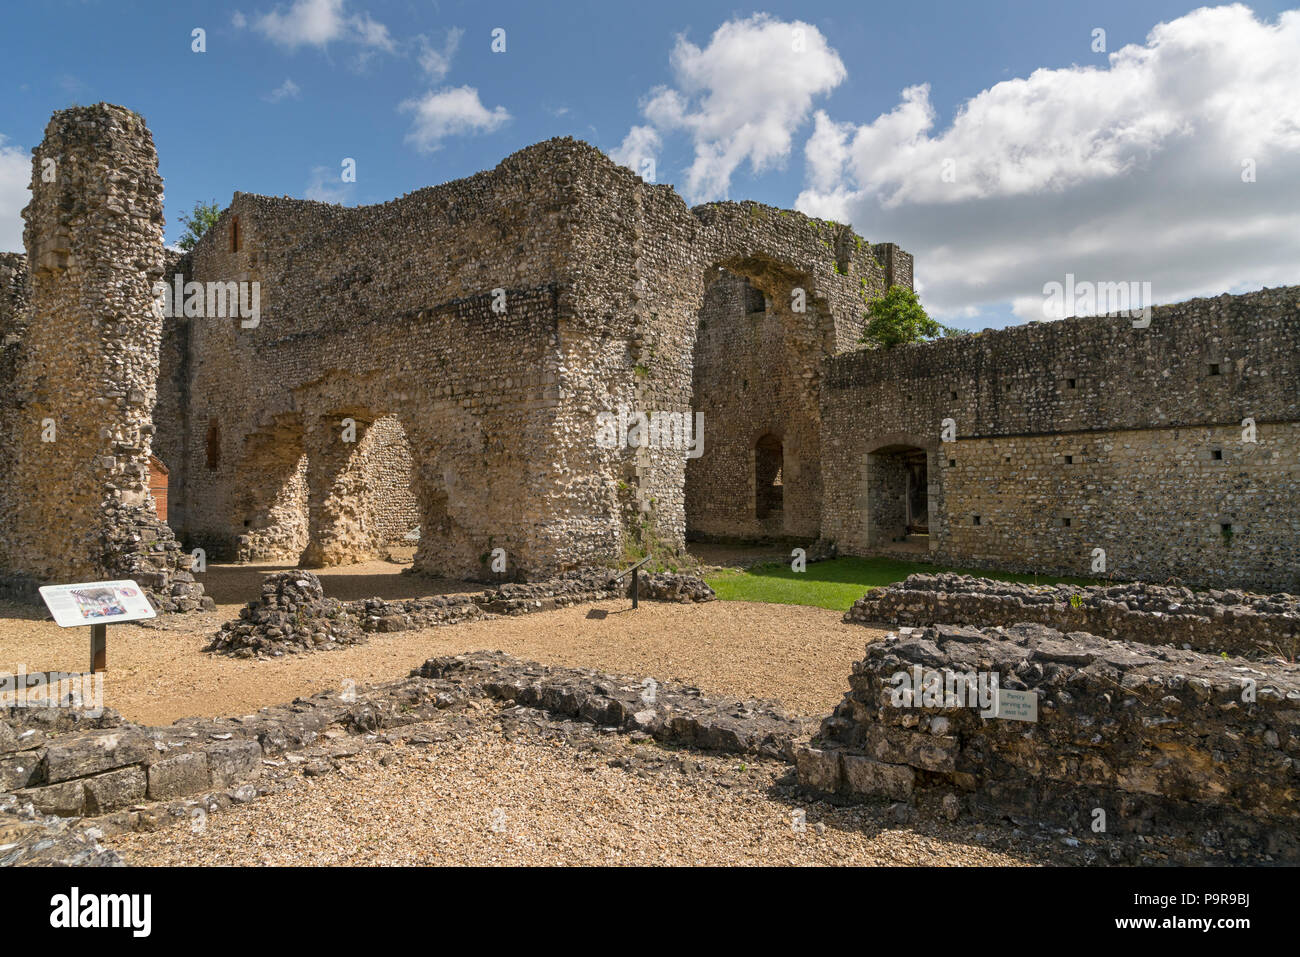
(838, 583)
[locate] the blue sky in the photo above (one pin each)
(1111, 165)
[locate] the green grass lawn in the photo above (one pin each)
(840, 582)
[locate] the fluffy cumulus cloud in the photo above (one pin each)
(15, 193)
(640, 146)
(318, 23)
(1136, 171)
(741, 98)
(448, 112)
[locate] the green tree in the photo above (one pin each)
(897, 318)
(197, 223)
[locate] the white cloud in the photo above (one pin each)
(288, 90)
(1130, 172)
(326, 184)
(448, 112)
(15, 193)
(436, 63)
(742, 97)
(640, 144)
(238, 20)
(318, 23)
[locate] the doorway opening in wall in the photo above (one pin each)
(269, 517)
(769, 488)
(158, 486)
(898, 498)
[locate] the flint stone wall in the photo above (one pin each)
(1164, 741)
(1086, 434)
(601, 280)
(81, 358)
(1235, 622)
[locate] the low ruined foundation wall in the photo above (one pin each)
(1235, 622)
(1144, 741)
(293, 615)
(58, 764)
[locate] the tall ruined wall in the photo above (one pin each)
(1086, 434)
(14, 317)
(748, 384)
(171, 405)
(388, 311)
(495, 318)
(643, 264)
(78, 503)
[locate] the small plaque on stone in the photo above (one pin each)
(1015, 705)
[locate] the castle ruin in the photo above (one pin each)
(444, 360)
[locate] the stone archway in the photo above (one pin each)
(269, 509)
(756, 371)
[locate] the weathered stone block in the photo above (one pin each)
(115, 790)
(91, 752)
(867, 777)
(231, 762)
(20, 769)
(67, 799)
(818, 770)
(179, 774)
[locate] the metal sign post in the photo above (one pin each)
(97, 604)
(98, 648)
(636, 579)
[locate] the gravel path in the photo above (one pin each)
(798, 655)
(479, 794)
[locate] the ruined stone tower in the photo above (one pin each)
(75, 485)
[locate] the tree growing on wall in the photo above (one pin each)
(897, 318)
(197, 223)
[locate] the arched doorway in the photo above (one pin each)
(755, 364)
(898, 497)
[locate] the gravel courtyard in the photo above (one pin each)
(158, 673)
